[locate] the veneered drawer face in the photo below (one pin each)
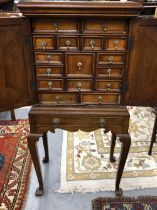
(111, 58)
(104, 25)
(53, 58)
(108, 98)
(79, 85)
(67, 43)
(55, 24)
(108, 85)
(80, 64)
(43, 42)
(50, 84)
(92, 43)
(58, 98)
(116, 44)
(109, 72)
(49, 71)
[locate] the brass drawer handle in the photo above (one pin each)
(116, 43)
(108, 86)
(92, 44)
(56, 25)
(50, 84)
(79, 84)
(102, 123)
(110, 58)
(68, 44)
(58, 99)
(48, 58)
(104, 28)
(56, 122)
(100, 99)
(109, 71)
(79, 65)
(43, 44)
(49, 71)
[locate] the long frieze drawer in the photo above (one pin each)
(109, 72)
(51, 58)
(43, 25)
(92, 43)
(104, 58)
(67, 42)
(79, 85)
(116, 44)
(105, 25)
(107, 85)
(58, 98)
(100, 98)
(49, 71)
(43, 42)
(56, 84)
(80, 64)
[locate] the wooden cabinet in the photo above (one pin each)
(16, 80)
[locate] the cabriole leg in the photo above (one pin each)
(45, 143)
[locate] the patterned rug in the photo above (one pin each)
(15, 163)
(85, 158)
(125, 203)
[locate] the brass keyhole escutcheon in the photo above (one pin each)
(109, 72)
(58, 99)
(56, 122)
(102, 123)
(50, 84)
(79, 85)
(48, 72)
(100, 99)
(68, 44)
(92, 44)
(43, 44)
(116, 43)
(56, 25)
(79, 65)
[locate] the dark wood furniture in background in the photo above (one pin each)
(91, 59)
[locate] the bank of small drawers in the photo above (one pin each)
(79, 60)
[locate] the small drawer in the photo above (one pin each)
(45, 25)
(67, 43)
(109, 72)
(58, 98)
(104, 58)
(105, 25)
(80, 64)
(116, 44)
(50, 84)
(92, 43)
(49, 71)
(98, 98)
(51, 58)
(108, 85)
(43, 42)
(79, 85)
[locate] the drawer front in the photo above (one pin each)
(55, 25)
(104, 25)
(108, 85)
(58, 98)
(50, 84)
(108, 98)
(80, 64)
(79, 85)
(116, 44)
(92, 43)
(109, 72)
(43, 42)
(111, 58)
(67, 43)
(49, 71)
(53, 58)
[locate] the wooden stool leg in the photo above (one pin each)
(126, 141)
(153, 139)
(45, 143)
(113, 142)
(12, 112)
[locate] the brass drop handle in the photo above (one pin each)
(56, 25)
(67, 44)
(43, 44)
(79, 65)
(48, 72)
(110, 58)
(56, 122)
(58, 99)
(92, 44)
(104, 28)
(116, 43)
(100, 99)
(108, 86)
(50, 84)
(102, 123)
(109, 72)
(79, 84)
(48, 58)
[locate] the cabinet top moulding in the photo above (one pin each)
(79, 8)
